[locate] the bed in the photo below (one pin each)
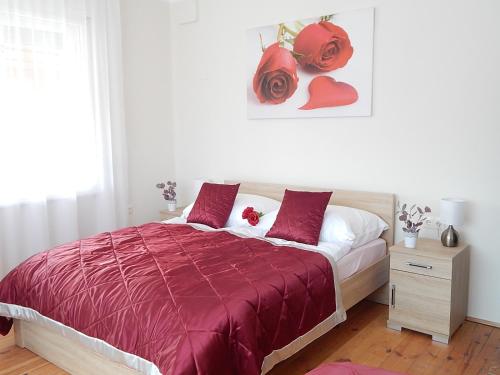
(362, 278)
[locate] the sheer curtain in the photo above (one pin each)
(62, 141)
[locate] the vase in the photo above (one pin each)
(171, 205)
(411, 240)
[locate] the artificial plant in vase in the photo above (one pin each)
(412, 220)
(168, 192)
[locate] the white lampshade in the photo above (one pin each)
(452, 211)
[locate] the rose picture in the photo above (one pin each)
(316, 67)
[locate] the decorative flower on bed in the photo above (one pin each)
(251, 216)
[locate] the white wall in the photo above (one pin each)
(147, 81)
(434, 132)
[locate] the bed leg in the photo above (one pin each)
(18, 331)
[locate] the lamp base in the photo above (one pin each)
(449, 237)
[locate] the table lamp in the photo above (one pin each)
(451, 213)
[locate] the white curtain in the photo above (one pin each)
(62, 141)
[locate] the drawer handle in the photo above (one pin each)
(419, 265)
(393, 296)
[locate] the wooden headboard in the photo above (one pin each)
(381, 204)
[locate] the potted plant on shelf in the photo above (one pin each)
(412, 220)
(168, 192)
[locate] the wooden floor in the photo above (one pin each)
(363, 339)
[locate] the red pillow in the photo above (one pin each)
(213, 204)
(300, 216)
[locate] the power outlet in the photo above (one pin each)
(431, 222)
(430, 228)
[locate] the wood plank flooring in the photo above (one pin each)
(364, 339)
(17, 361)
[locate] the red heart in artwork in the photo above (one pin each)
(324, 91)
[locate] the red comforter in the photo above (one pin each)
(187, 300)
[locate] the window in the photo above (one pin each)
(49, 138)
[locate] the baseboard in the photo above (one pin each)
(482, 321)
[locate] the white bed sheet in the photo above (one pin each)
(349, 261)
(333, 250)
(360, 258)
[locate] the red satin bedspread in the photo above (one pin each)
(189, 301)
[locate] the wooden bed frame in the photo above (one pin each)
(370, 283)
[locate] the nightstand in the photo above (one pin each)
(429, 287)
(166, 214)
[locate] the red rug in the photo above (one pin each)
(348, 368)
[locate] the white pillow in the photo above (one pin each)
(242, 201)
(347, 224)
(265, 223)
(187, 210)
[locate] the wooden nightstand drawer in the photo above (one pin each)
(420, 302)
(422, 265)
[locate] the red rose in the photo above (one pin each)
(253, 218)
(322, 46)
(276, 77)
(246, 211)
